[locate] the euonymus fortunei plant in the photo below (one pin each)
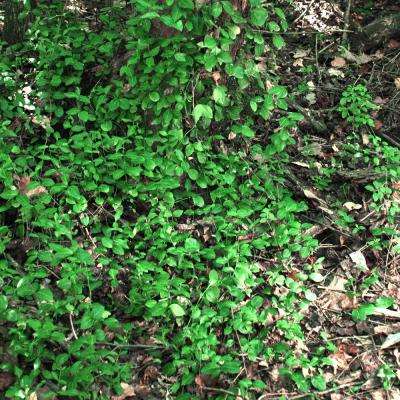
(142, 177)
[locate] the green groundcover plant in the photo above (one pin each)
(355, 106)
(142, 197)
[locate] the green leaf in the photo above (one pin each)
(209, 42)
(86, 320)
(83, 116)
(99, 312)
(106, 126)
(44, 295)
(181, 57)
(193, 174)
(216, 9)
(177, 310)
(213, 294)
(154, 96)
(3, 303)
(361, 313)
(55, 80)
(107, 242)
(273, 27)
(384, 302)
(258, 16)
(219, 95)
(247, 131)
(213, 277)
(318, 382)
(316, 277)
(198, 200)
(202, 110)
(278, 41)
(186, 4)
(309, 295)
(192, 245)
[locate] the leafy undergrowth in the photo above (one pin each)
(155, 233)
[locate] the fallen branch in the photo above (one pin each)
(306, 395)
(15, 264)
(322, 204)
(316, 123)
(379, 30)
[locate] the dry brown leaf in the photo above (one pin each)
(379, 100)
(42, 121)
(358, 59)
(365, 139)
(216, 76)
(301, 53)
(358, 258)
(340, 361)
(377, 124)
(261, 66)
(185, 227)
(269, 84)
(394, 392)
(129, 391)
(379, 394)
(231, 136)
(23, 187)
(310, 195)
(393, 44)
(335, 299)
(350, 206)
(369, 361)
(338, 62)
(387, 329)
(274, 374)
(150, 373)
(298, 62)
(338, 283)
(335, 72)
(387, 313)
(36, 191)
(202, 380)
(391, 340)
(301, 164)
(6, 379)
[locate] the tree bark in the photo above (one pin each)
(375, 33)
(14, 29)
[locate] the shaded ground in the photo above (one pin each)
(331, 172)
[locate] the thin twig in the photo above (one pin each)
(72, 326)
(301, 396)
(303, 32)
(219, 390)
(316, 57)
(132, 346)
(346, 21)
(304, 12)
(15, 264)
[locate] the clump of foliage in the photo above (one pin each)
(355, 106)
(142, 188)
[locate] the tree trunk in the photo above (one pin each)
(375, 33)
(14, 29)
(90, 4)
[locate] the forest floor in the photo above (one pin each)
(355, 272)
(338, 173)
(359, 273)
